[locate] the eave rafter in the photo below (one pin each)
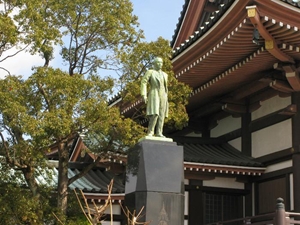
(227, 72)
(214, 168)
(292, 74)
(270, 42)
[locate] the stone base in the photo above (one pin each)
(156, 182)
(154, 138)
(158, 207)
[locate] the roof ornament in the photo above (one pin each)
(256, 35)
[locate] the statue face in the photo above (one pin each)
(158, 63)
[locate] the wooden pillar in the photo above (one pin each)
(248, 200)
(196, 207)
(246, 134)
(206, 133)
(247, 150)
(296, 148)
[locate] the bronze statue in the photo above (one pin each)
(157, 98)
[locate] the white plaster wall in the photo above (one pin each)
(279, 166)
(271, 105)
(236, 143)
(108, 223)
(292, 191)
(226, 125)
(186, 203)
(223, 182)
(193, 134)
(116, 210)
(272, 139)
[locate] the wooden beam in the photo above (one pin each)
(291, 73)
(198, 175)
(198, 125)
(268, 120)
(251, 88)
(206, 110)
(289, 110)
(294, 80)
(233, 108)
(254, 106)
(264, 95)
(281, 86)
(197, 140)
(270, 42)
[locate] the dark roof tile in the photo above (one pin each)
(223, 154)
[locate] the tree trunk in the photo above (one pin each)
(28, 173)
(62, 189)
(31, 182)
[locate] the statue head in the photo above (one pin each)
(157, 63)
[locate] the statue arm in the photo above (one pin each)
(166, 81)
(144, 83)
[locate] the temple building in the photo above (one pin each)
(241, 57)
(242, 143)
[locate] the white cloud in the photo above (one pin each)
(20, 64)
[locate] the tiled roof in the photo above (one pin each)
(211, 155)
(206, 22)
(95, 181)
(208, 19)
(223, 154)
(291, 2)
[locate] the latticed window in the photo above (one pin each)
(221, 207)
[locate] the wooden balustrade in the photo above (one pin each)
(279, 217)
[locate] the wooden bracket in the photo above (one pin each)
(291, 73)
(270, 42)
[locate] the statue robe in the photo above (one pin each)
(158, 81)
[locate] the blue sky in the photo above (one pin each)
(158, 17)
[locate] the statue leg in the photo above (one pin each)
(152, 123)
(159, 127)
(162, 114)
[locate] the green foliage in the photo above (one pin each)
(75, 214)
(30, 24)
(93, 26)
(136, 62)
(21, 207)
(52, 106)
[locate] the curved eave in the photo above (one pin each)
(195, 14)
(190, 20)
(280, 10)
(225, 57)
(225, 169)
(204, 38)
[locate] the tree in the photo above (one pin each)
(29, 25)
(52, 106)
(89, 30)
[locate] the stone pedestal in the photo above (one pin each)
(155, 181)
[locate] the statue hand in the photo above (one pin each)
(145, 99)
